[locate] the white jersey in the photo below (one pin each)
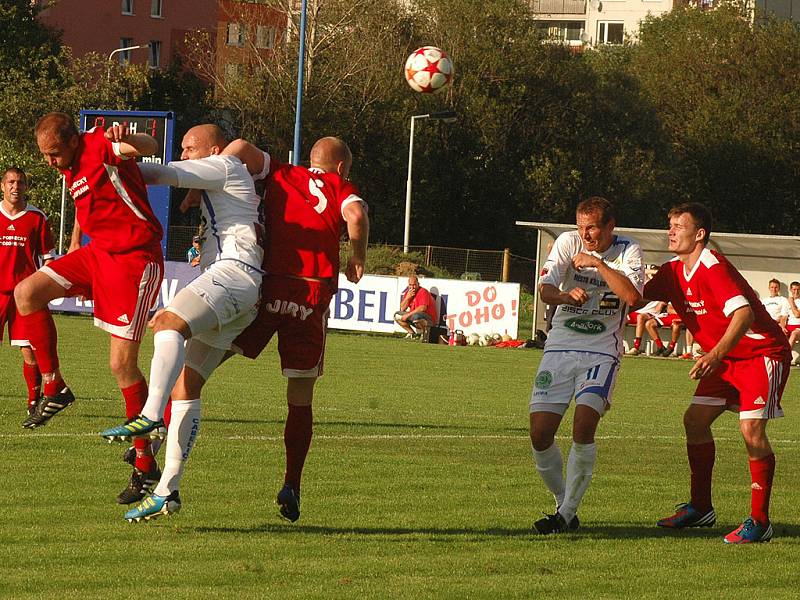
(596, 325)
(232, 226)
(792, 319)
(777, 306)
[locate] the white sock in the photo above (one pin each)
(168, 359)
(580, 466)
(181, 437)
(550, 465)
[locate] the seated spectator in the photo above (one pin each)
(777, 306)
(793, 322)
(667, 318)
(640, 318)
(417, 311)
(193, 254)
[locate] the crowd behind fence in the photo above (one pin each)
(461, 263)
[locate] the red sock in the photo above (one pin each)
(168, 412)
(637, 342)
(135, 398)
(762, 470)
(297, 440)
(40, 330)
(33, 379)
(659, 343)
(701, 463)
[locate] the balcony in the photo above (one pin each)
(559, 7)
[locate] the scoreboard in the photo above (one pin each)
(158, 124)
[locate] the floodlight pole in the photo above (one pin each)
(447, 117)
(117, 51)
(300, 82)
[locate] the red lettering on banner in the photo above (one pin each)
(483, 309)
(498, 311)
(473, 298)
(490, 294)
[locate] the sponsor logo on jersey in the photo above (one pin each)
(590, 327)
(123, 318)
(79, 188)
(544, 271)
(689, 291)
(11, 228)
(544, 379)
(286, 307)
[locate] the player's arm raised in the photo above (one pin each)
(618, 281)
(252, 156)
(741, 320)
(358, 232)
(131, 144)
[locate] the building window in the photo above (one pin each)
(127, 7)
(155, 54)
(125, 57)
(156, 7)
(236, 34)
(610, 33)
(265, 37)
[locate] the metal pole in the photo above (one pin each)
(407, 229)
(300, 82)
(63, 209)
(118, 50)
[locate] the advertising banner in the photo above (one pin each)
(471, 306)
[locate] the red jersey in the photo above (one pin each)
(25, 243)
(424, 297)
(706, 297)
(303, 212)
(110, 196)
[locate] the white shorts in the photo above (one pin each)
(229, 291)
(586, 376)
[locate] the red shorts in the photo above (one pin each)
(8, 314)
(667, 319)
(753, 387)
(297, 310)
(124, 287)
(791, 328)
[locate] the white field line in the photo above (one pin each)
(408, 436)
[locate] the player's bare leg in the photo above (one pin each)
(297, 435)
(405, 325)
(652, 330)
(700, 448)
(31, 296)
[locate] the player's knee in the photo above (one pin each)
(694, 422)
(123, 368)
(23, 297)
(754, 431)
(541, 440)
(166, 320)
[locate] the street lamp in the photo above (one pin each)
(448, 117)
(117, 51)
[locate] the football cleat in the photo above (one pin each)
(749, 532)
(154, 506)
(32, 406)
(289, 503)
(556, 524)
(139, 485)
(136, 427)
(48, 407)
(688, 516)
(130, 456)
(633, 352)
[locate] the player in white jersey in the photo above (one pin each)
(593, 276)
(210, 312)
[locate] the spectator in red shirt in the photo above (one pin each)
(417, 311)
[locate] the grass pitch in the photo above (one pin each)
(419, 484)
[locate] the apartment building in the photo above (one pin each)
(594, 22)
(103, 26)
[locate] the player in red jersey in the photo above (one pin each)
(745, 367)
(306, 212)
(26, 244)
(120, 268)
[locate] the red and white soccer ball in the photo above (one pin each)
(429, 70)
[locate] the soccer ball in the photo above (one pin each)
(473, 339)
(486, 340)
(429, 70)
(497, 338)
